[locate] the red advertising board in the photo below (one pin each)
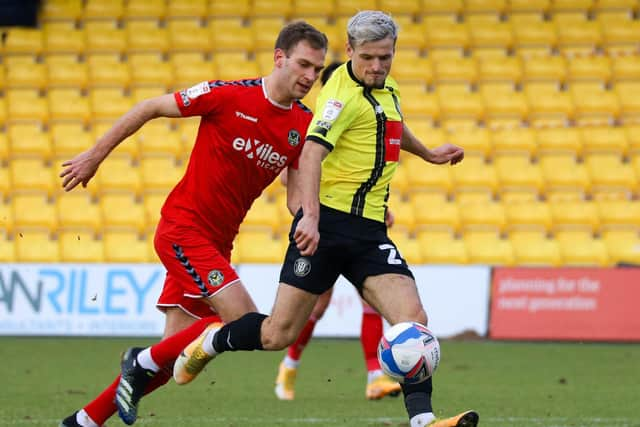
(590, 304)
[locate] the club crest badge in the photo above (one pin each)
(215, 278)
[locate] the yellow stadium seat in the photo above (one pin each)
(118, 174)
(532, 248)
(463, 70)
(442, 6)
(488, 248)
(157, 139)
(562, 173)
(539, 6)
(578, 34)
(483, 216)
(32, 175)
(533, 215)
(160, 174)
(408, 248)
(571, 6)
(257, 247)
(29, 140)
(7, 250)
(263, 215)
(433, 212)
(145, 9)
(517, 173)
(534, 34)
(188, 129)
(502, 101)
(34, 211)
(592, 100)
(23, 41)
(514, 141)
(410, 69)
(160, 74)
(417, 102)
(124, 246)
(109, 103)
(604, 5)
(69, 139)
(153, 202)
(146, 36)
(457, 101)
(619, 214)
(475, 141)
(548, 101)
(560, 141)
(609, 174)
(438, 247)
(633, 137)
(624, 33)
(446, 35)
(68, 104)
(501, 69)
(187, 9)
(491, 34)
(629, 96)
(120, 211)
(76, 211)
(26, 105)
(68, 10)
(423, 176)
(590, 68)
(311, 8)
(413, 38)
(187, 36)
(106, 70)
(103, 9)
(403, 213)
(5, 149)
(63, 37)
(265, 30)
(80, 246)
(231, 67)
(36, 246)
(623, 246)
(105, 37)
(581, 249)
(485, 6)
(550, 68)
(281, 8)
(604, 140)
(475, 176)
(229, 34)
(6, 215)
(143, 92)
(67, 74)
(26, 76)
(575, 215)
(349, 7)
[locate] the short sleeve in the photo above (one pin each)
(199, 100)
(333, 115)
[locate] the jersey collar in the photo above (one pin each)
(268, 98)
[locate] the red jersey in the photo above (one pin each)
(244, 141)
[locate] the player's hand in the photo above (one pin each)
(446, 153)
(389, 218)
(307, 236)
(79, 170)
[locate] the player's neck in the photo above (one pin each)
(273, 95)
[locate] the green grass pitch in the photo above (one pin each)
(510, 384)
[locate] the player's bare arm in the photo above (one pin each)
(83, 167)
(291, 180)
(307, 234)
(446, 153)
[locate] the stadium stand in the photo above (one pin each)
(544, 95)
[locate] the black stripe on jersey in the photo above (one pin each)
(303, 107)
(357, 205)
(320, 141)
(243, 82)
(395, 101)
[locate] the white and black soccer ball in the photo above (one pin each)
(409, 352)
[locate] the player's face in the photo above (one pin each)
(302, 68)
(371, 61)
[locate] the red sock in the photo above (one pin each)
(163, 353)
(370, 334)
(103, 406)
(296, 349)
(166, 351)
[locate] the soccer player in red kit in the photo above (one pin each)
(250, 131)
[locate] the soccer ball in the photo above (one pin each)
(409, 352)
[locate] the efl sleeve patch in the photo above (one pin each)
(332, 110)
(197, 90)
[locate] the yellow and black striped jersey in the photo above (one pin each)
(363, 128)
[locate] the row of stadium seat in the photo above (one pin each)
(420, 211)
(525, 248)
(159, 9)
(586, 103)
(233, 34)
(65, 71)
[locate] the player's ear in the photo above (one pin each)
(279, 57)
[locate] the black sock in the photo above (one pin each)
(241, 334)
(417, 397)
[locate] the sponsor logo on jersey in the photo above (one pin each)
(246, 117)
(265, 155)
(293, 138)
(332, 110)
(215, 277)
(301, 267)
(197, 90)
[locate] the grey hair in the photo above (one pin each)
(370, 26)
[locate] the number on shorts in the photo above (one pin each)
(391, 259)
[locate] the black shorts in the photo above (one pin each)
(353, 246)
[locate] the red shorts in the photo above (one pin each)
(196, 269)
